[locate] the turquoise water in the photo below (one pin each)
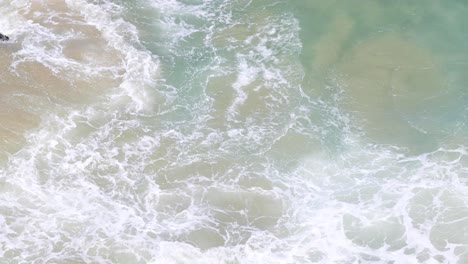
(164, 131)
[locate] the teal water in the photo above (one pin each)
(164, 131)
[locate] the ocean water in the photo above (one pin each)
(209, 131)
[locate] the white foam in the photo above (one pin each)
(394, 195)
(246, 75)
(141, 68)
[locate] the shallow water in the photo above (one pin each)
(157, 131)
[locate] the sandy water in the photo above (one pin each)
(160, 131)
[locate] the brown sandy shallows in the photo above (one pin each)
(32, 86)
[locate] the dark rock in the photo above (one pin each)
(4, 37)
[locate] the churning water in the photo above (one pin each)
(234, 131)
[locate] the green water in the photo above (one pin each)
(400, 65)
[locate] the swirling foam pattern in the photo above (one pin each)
(190, 131)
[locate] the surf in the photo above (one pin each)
(231, 132)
